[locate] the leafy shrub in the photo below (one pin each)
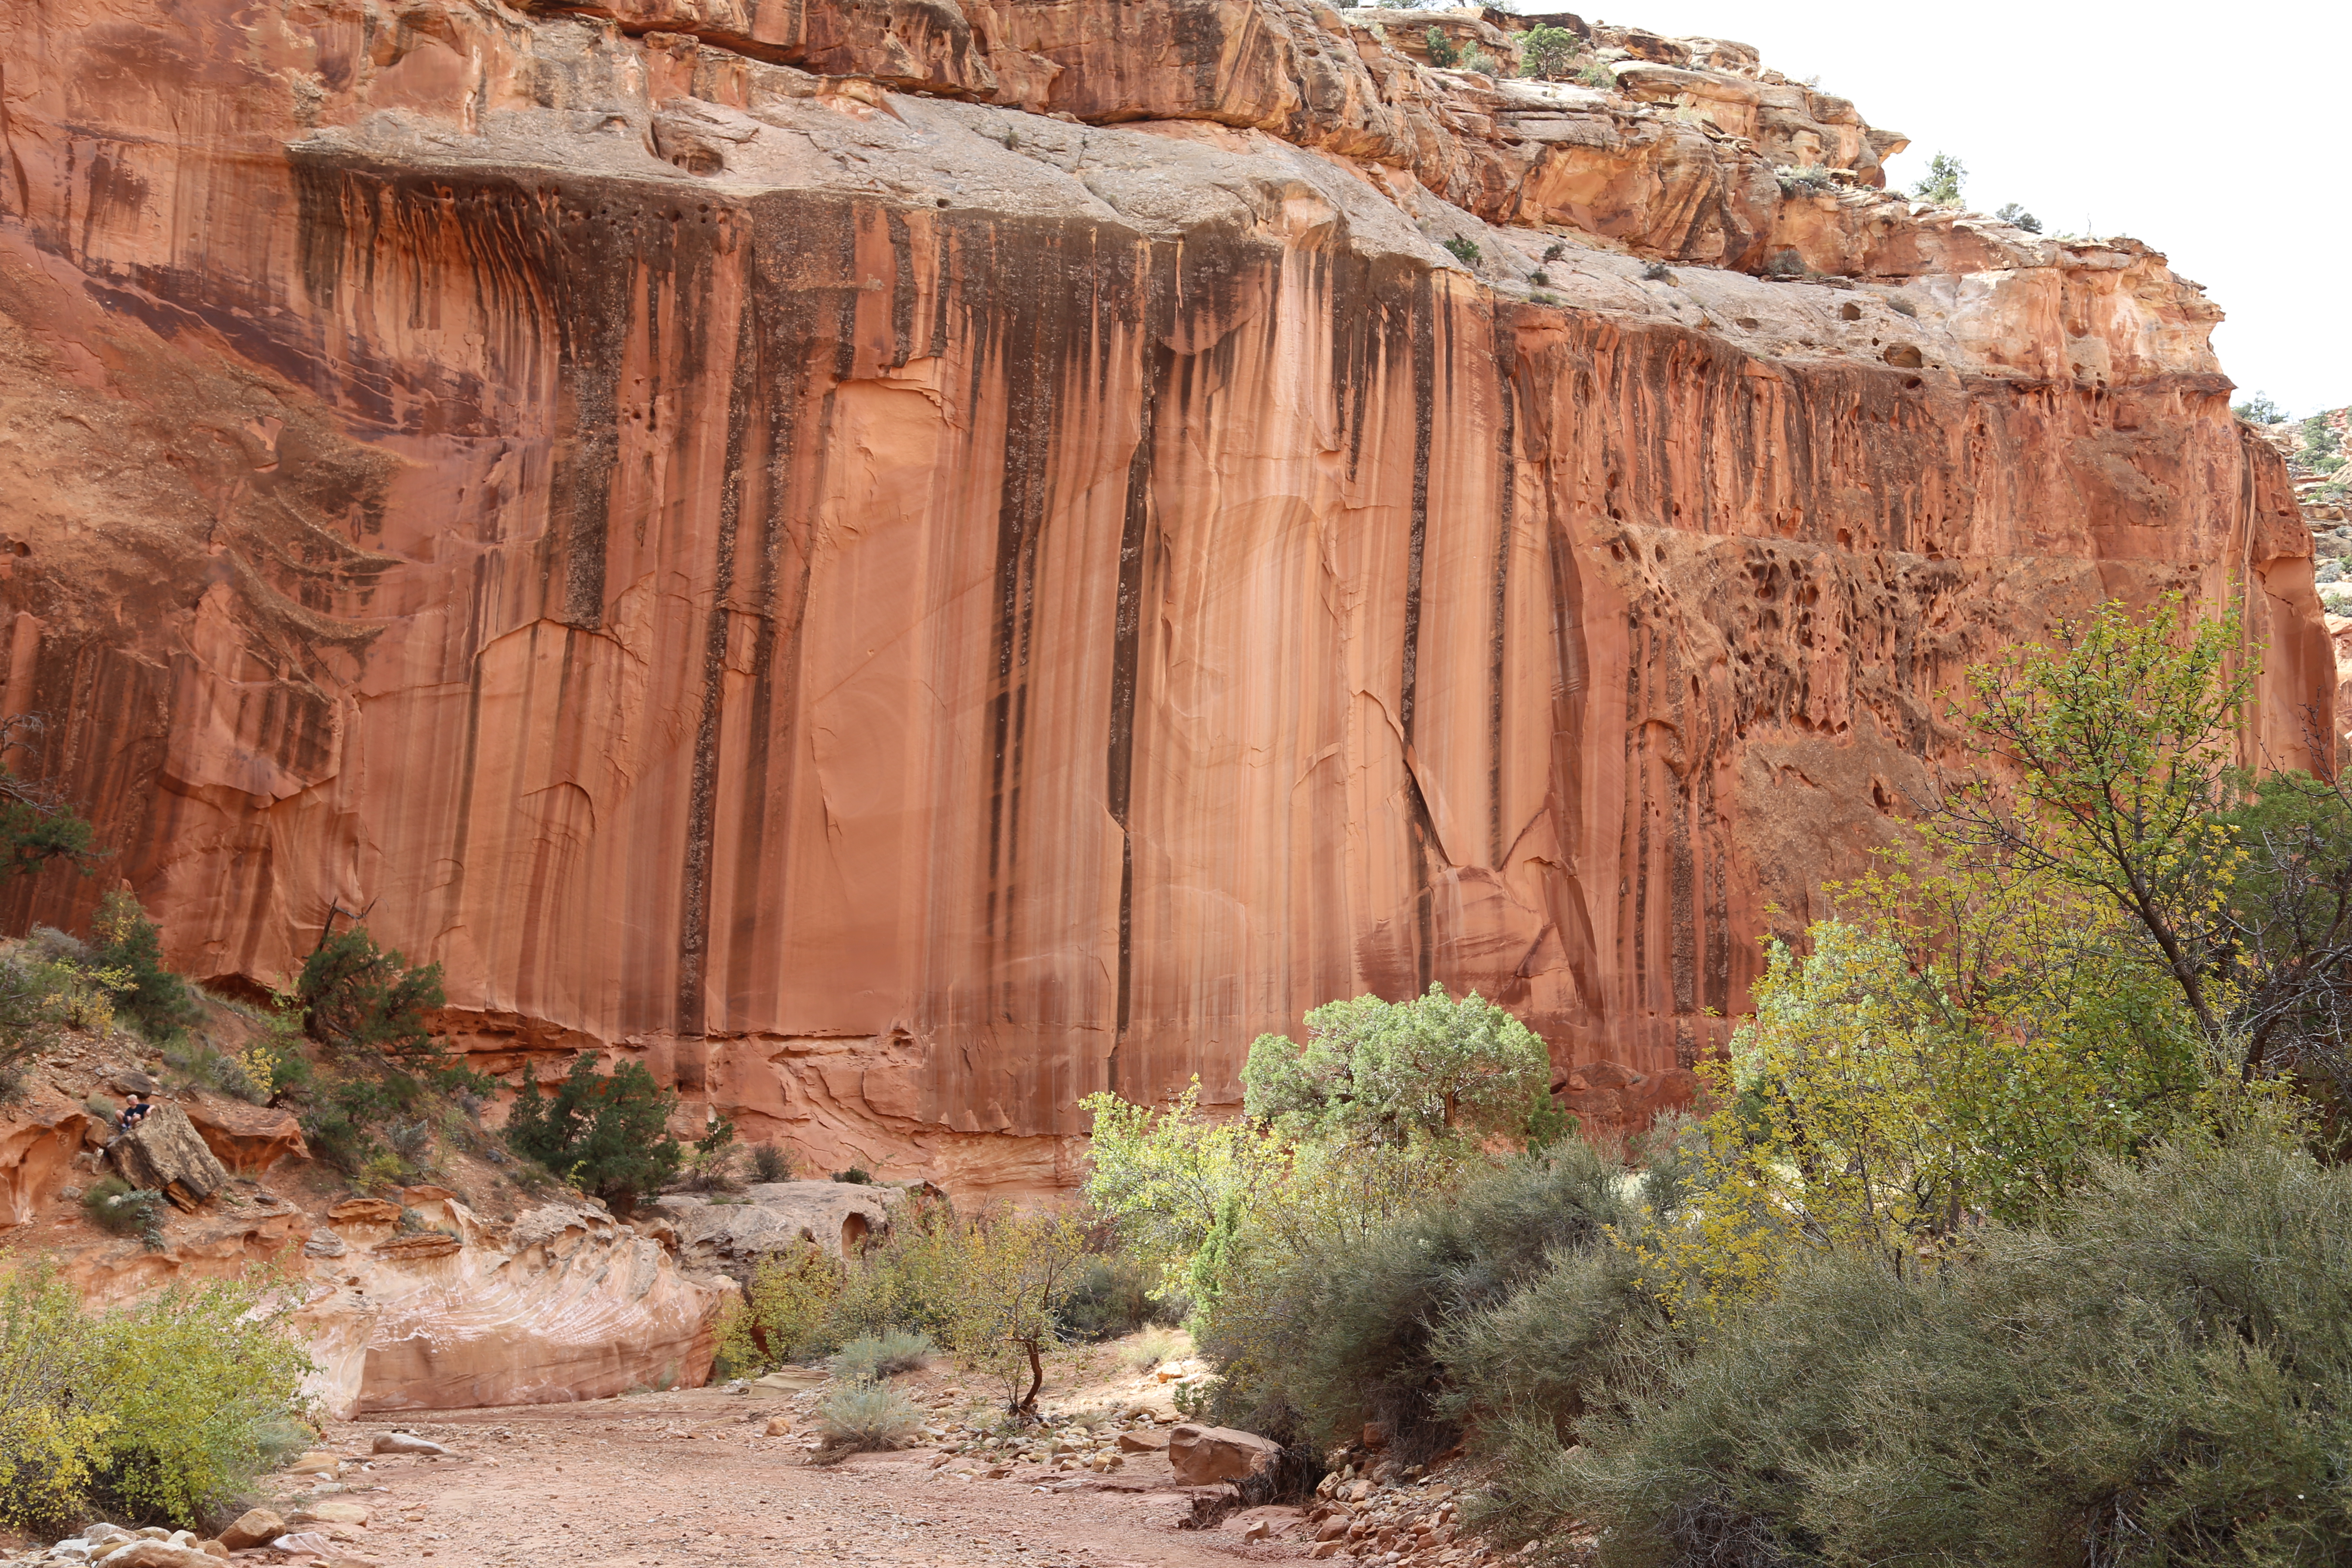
(855, 1176)
(43, 993)
(1441, 52)
(1539, 277)
(341, 1125)
(1115, 1295)
(1659, 272)
(2012, 214)
(710, 1171)
(1555, 251)
(871, 1358)
(605, 1134)
(1391, 1073)
(2158, 1376)
(865, 1419)
(356, 995)
(1477, 59)
(785, 1309)
(1810, 181)
(1946, 175)
(769, 1163)
(1465, 251)
(1598, 75)
(165, 1411)
(159, 1004)
(117, 1208)
(1351, 1330)
(38, 828)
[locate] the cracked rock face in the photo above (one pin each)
(757, 546)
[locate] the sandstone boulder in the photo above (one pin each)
(38, 1139)
(247, 1139)
(162, 1153)
(1144, 1442)
(156, 1554)
(405, 1443)
(255, 1527)
(331, 1511)
(775, 1217)
(1205, 1456)
(317, 1462)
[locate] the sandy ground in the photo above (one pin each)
(687, 1476)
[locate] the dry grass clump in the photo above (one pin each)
(873, 1357)
(863, 1418)
(1151, 1347)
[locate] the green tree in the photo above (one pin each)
(605, 1134)
(1953, 1049)
(1441, 52)
(1946, 174)
(162, 1003)
(1394, 1073)
(2259, 409)
(37, 827)
(1016, 1272)
(2012, 214)
(1548, 52)
(2290, 910)
(356, 995)
(2117, 742)
(2323, 445)
(1165, 1177)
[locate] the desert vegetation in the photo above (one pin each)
(2012, 1229)
(161, 1412)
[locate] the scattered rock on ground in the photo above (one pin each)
(255, 1527)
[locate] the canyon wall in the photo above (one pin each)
(908, 561)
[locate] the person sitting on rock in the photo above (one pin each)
(135, 1113)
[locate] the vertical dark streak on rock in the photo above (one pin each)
(702, 804)
(1682, 875)
(902, 290)
(1506, 479)
(1127, 634)
(1424, 371)
(1637, 801)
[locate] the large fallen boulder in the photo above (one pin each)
(1204, 1455)
(162, 1153)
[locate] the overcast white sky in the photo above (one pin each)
(2216, 133)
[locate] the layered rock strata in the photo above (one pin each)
(564, 1304)
(906, 563)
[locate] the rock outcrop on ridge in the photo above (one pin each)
(907, 563)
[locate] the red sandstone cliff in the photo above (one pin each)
(912, 561)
